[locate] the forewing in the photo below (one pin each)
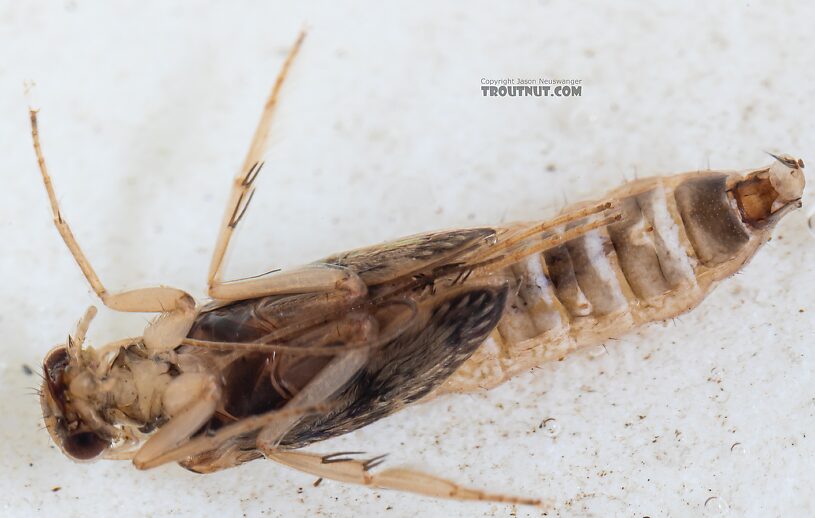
(388, 261)
(251, 320)
(411, 365)
(264, 319)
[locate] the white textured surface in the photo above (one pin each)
(147, 111)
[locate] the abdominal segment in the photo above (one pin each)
(676, 238)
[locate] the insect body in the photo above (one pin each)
(287, 359)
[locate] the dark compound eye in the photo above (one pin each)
(55, 363)
(84, 445)
(54, 367)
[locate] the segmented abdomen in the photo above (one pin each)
(677, 236)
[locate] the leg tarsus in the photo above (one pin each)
(158, 299)
(62, 226)
(356, 472)
(243, 183)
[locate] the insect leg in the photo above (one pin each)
(491, 260)
(203, 443)
(527, 232)
(175, 445)
(357, 472)
(158, 299)
(242, 187)
(324, 335)
(82, 326)
(330, 379)
(553, 223)
(344, 283)
(75, 342)
(197, 408)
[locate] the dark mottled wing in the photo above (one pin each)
(410, 366)
(249, 320)
(385, 262)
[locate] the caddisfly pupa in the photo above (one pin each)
(280, 361)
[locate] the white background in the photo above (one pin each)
(147, 110)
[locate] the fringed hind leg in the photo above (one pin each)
(348, 470)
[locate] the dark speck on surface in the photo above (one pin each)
(28, 371)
